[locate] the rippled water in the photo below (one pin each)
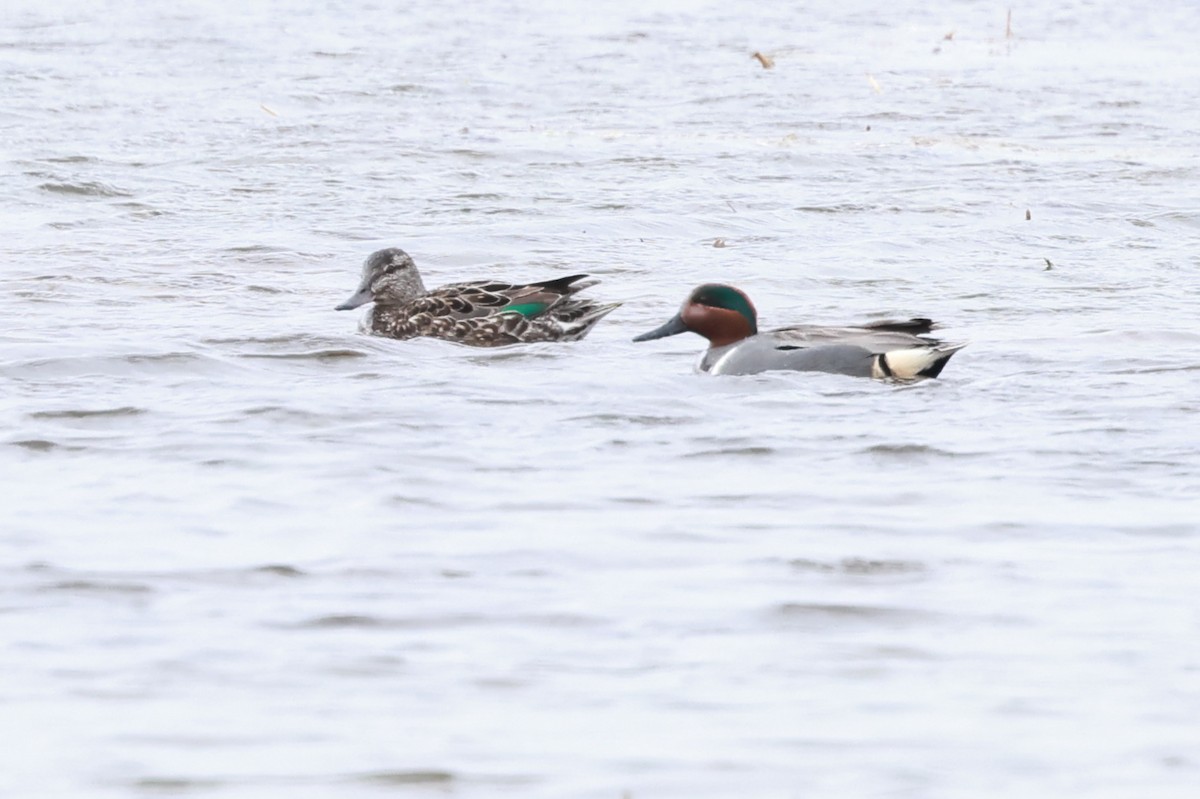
(249, 552)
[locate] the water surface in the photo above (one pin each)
(247, 551)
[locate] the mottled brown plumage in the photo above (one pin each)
(484, 313)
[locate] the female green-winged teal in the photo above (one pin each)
(483, 313)
(726, 317)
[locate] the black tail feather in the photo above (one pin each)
(916, 326)
(559, 284)
(934, 369)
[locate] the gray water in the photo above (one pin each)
(248, 552)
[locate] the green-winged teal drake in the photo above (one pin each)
(725, 316)
(483, 313)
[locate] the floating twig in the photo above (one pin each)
(268, 109)
(766, 60)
